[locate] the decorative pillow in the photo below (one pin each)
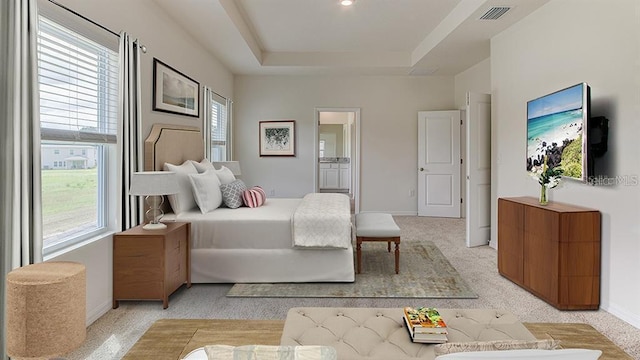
(254, 197)
(206, 191)
(183, 200)
(203, 166)
(232, 193)
(455, 347)
(225, 175)
(271, 352)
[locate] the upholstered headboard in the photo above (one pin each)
(173, 144)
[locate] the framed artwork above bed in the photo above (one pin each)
(174, 92)
(278, 138)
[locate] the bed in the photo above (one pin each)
(253, 245)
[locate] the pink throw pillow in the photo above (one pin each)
(254, 197)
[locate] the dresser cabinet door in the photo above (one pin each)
(510, 240)
(541, 252)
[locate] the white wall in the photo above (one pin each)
(97, 257)
(563, 43)
(164, 40)
(475, 79)
(389, 110)
(169, 43)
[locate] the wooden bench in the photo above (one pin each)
(376, 227)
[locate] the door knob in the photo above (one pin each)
(421, 169)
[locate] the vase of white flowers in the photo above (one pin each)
(548, 178)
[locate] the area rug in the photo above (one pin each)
(424, 273)
(172, 339)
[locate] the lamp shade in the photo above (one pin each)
(46, 309)
(234, 166)
(153, 183)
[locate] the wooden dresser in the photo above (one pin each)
(151, 264)
(551, 250)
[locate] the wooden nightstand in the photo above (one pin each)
(151, 264)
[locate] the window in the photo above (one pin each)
(220, 124)
(78, 80)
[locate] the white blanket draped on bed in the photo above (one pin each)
(322, 220)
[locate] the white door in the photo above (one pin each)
(439, 163)
(478, 189)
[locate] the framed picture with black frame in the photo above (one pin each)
(278, 138)
(174, 92)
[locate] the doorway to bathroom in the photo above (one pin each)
(337, 149)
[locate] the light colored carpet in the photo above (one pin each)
(424, 273)
(111, 336)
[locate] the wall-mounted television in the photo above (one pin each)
(557, 126)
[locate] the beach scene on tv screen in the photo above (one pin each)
(555, 129)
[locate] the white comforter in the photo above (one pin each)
(322, 220)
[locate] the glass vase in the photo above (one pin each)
(543, 195)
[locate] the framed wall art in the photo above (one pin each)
(174, 92)
(278, 138)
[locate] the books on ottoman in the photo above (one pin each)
(425, 325)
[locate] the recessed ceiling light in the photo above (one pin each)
(347, 2)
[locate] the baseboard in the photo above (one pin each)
(398, 213)
(493, 244)
(96, 313)
(404, 213)
(622, 314)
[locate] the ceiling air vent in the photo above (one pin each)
(495, 13)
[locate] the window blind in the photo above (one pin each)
(78, 81)
(219, 120)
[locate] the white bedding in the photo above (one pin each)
(264, 227)
(322, 220)
(254, 245)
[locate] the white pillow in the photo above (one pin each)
(197, 354)
(225, 175)
(203, 165)
(183, 200)
(530, 354)
(206, 191)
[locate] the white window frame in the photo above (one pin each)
(106, 143)
(215, 106)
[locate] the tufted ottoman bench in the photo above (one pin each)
(379, 334)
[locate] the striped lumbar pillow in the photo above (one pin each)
(254, 197)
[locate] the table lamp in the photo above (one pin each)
(154, 185)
